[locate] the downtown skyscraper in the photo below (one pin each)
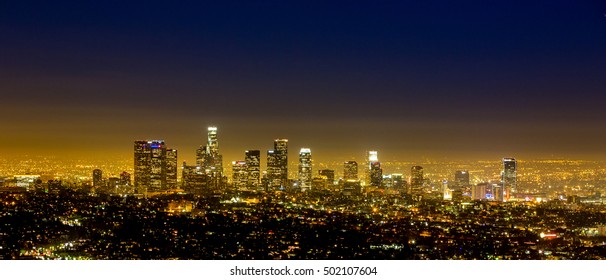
(277, 164)
(416, 182)
(305, 169)
(461, 179)
(350, 170)
(375, 173)
(239, 174)
(253, 166)
(208, 158)
(155, 166)
(508, 177)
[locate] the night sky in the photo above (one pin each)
(412, 79)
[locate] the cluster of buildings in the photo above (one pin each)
(155, 172)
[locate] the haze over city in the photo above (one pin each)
(432, 80)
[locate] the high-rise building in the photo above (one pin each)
(416, 180)
(277, 164)
(374, 170)
(193, 180)
(350, 170)
(329, 176)
(142, 166)
(461, 179)
(97, 178)
(239, 174)
(157, 173)
(509, 177)
(208, 157)
(171, 168)
(281, 147)
(152, 167)
(274, 175)
(213, 142)
(305, 169)
(253, 165)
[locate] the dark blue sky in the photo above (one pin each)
(454, 79)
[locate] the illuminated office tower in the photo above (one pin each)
(281, 147)
(350, 170)
(171, 168)
(416, 180)
(305, 169)
(329, 176)
(207, 157)
(461, 179)
(375, 173)
(274, 175)
(157, 175)
(508, 177)
(142, 166)
(193, 180)
(152, 166)
(253, 165)
(277, 163)
(97, 178)
(239, 174)
(213, 142)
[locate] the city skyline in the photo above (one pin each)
(413, 80)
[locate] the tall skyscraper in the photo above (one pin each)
(281, 147)
(239, 174)
(350, 170)
(213, 142)
(157, 173)
(274, 175)
(208, 157)
(416, 180)
(509, 177)
(374, 169)
(142, 166)
(277, 163)
(253, 165)
(97, 178)
(171, 168)
(305, 169)
(461, 178)
(152, 166)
